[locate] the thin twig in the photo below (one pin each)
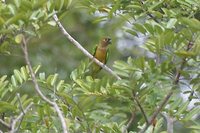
(157, 112)
(130, 121)
(79, 46)
(140, 106)
(148, 13)
(14, 122)
(37, 88)
(5, 124)
(166, 99)
(20, 104)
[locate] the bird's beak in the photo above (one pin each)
(109, 41)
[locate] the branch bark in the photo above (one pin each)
(79, 46)
(37, 88)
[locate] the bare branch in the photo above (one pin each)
(79, 46)
(14, 122)
(37, 88)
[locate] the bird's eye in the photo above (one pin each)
(106, 39)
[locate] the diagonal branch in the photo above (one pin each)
(5, 124)
(140, 106)
(79, 46)
(37, 88)
(166, 99)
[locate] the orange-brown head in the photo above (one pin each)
(105, 42)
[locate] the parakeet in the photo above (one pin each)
(101, 53)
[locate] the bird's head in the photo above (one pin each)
(105, 41)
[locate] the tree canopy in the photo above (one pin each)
(149, 84)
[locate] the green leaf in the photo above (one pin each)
(42, 76)
(17, 3)
(184, 53)
(191, 113)
(18, 76)
(159, 29)
(67, 3)
(60, 85)
(156, 4)
(13, 81)
(12, 9)
(24, 73)
(149, 28)
(191, 22)
(51, 79)
(6, 107)
(36, 69)
(140, 28)
(171, 23)
(54, 79)
(18, 38)
(176, 104)
(182, 108)
(195, 127)
(52, 23)
(15, 19)
(132, 32)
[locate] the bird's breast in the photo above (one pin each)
(101, 54)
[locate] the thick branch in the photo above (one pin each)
(79, 46)
(37, 88)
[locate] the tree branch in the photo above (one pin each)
(20, 104)
(140, 106)
(37, 88)
(157, 112)
(166, 99)
(130, 121)
(79, 46)
(5, 124)
(14, 122)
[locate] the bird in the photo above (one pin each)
(101, 53)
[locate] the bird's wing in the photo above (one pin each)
(94, 50)
(107, 55)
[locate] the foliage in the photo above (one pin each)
(104, 104)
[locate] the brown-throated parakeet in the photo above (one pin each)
(101, 53)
